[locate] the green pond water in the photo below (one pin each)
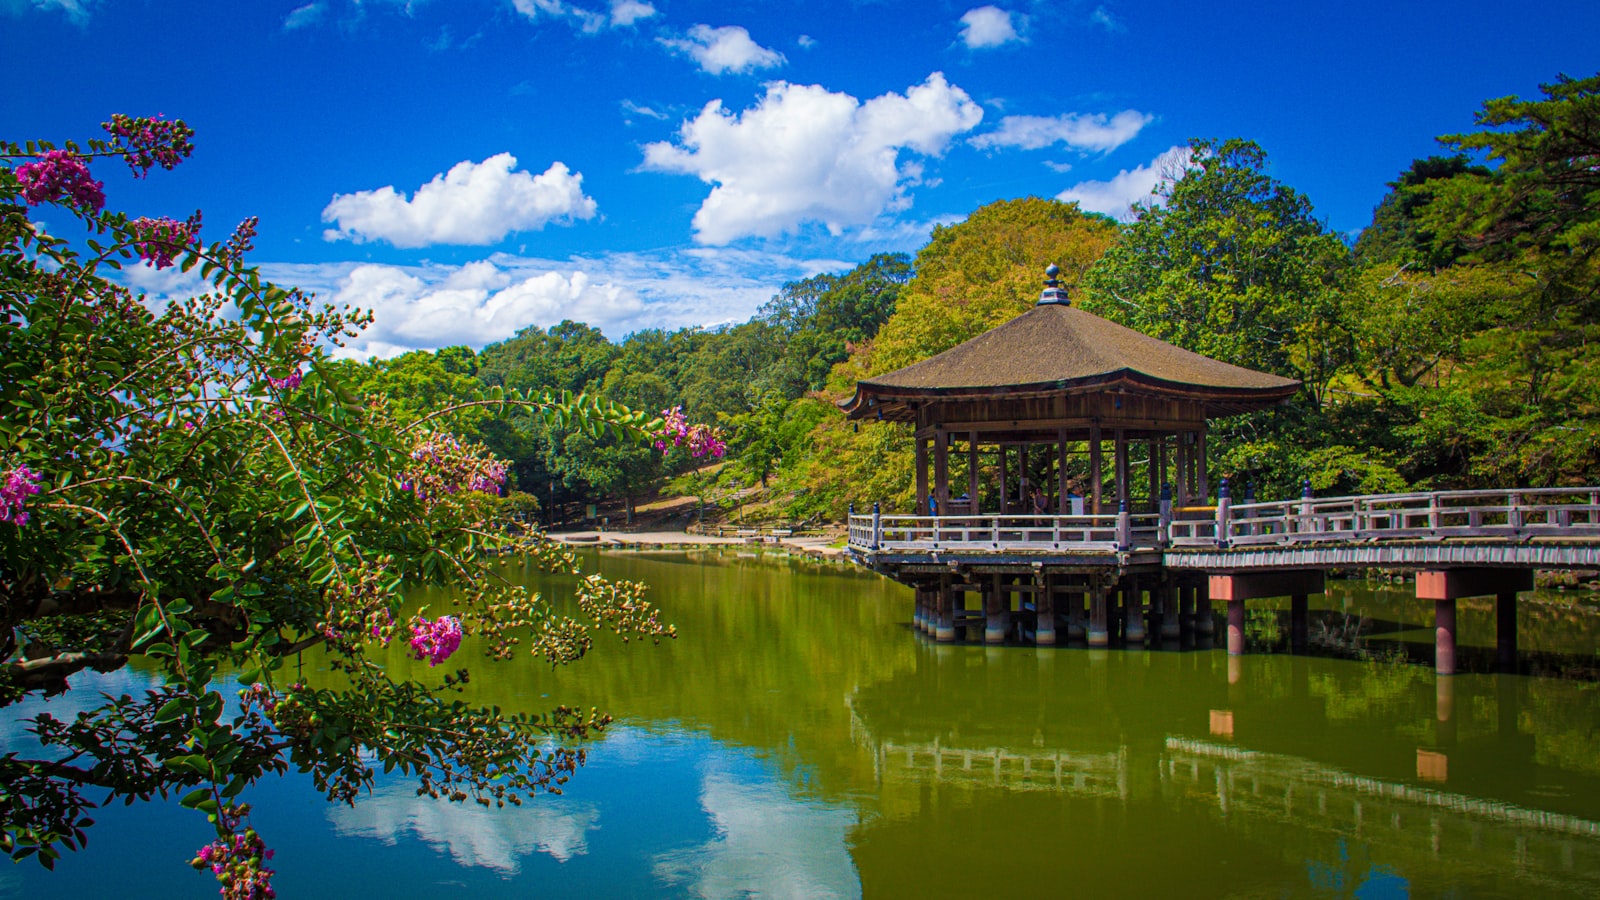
(800, 739)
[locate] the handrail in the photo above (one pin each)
(1513, 513)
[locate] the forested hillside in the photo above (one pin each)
(1452, 344)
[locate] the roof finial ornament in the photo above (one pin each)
(1053, 291)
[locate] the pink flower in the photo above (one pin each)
(435, 641)
(61, 175)
(150, 141)
(286, 384)
(20, 484)
(702, 440)
(159, 240)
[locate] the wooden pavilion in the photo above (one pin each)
(1044, 393)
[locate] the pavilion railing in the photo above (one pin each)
(1515, 514)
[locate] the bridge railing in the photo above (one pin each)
(1509, 514)
(1116, 531)
(1504, 514)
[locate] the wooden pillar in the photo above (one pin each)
(1171, 622)
(1160, 462)
(997, 612)
(1203, 486)
(1203, 621)
(1153, 475)
(941, 470)
(1076, 620)
(922, 475)
(1189, 597)
(919, 616)
(944, 628)
(1119, 439)
(1045, 603)
(1505, 632)
(1180, 492)
(1235, 627)
(1099, 635)
(972, 471)
(1299, 624)
(1133, 609)
(1063, 507)
(1096, 476)
(1444, 636)
(1005, 478)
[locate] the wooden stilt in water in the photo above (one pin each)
(997, 612)
(1171, 621)
(944, 622)
(1505, 632)
(1045, 603)
(1203, 622)
(1444, 636)
(1133, 610)
(1098, 634)
(1076, 620)
(1235, 627)
(1299, 623)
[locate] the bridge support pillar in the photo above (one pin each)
(1299, 624)
(1235, 627)
(1204, 624)
(1133, 611)
(1099, 635)
(997, 610)
(925, 600)
(1045, 603)
(1442, 585)
(1505, 631)
(1239, 587)
(1444, 636)
(1075, 617)
(1171, 620)
(944, 622)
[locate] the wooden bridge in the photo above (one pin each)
(1099, 574)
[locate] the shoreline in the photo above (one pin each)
(816, 546)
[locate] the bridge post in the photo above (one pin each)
(1133, 611)
(1235, 627)
(1204, 623)
(1446, 585)
(1099, 634)
(1239, 587)
(1224, 501)
(919, 608)
(944, 622)
(1505, 631)
(1075, 616)
(1171, 623)
(877, 525)
(1299, 624)
(1045, 603)
(996, 607)
(1164, 528)
(1444, 636)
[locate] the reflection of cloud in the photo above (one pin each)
(768, 844)
(491, 838)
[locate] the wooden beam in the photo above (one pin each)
(1096, 472)
(972, 470)
(1062, 506)
(1254, 585)
(922, 476)
(941, 470)
(1452, 584)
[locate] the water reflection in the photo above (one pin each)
(766, 843)
(496, 839)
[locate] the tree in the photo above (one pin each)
(201, 490)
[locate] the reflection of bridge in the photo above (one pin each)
(1156, 573)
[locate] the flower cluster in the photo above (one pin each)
(435, 641)
(61, 174)
(20, 484)
(444, 465)
(238, 860)
(159, 240)
(150, 141)
(702, 440)
(286, 384)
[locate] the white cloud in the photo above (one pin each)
(302, 16)
(1083, 132)
(989, 26)
(806, 41)
(627, 12)
(496, 839)
(807, 154)
(765, 844)
(431, 306)
(630, 108)
(473, 203)
(76, 11)
(1103, 17)
(726, 49)
(587, 20)
(1117, 196)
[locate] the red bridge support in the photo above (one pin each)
(1238, 587)
(1445, 586)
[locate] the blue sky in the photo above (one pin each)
(470, 167)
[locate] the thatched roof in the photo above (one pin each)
(1054, 347)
